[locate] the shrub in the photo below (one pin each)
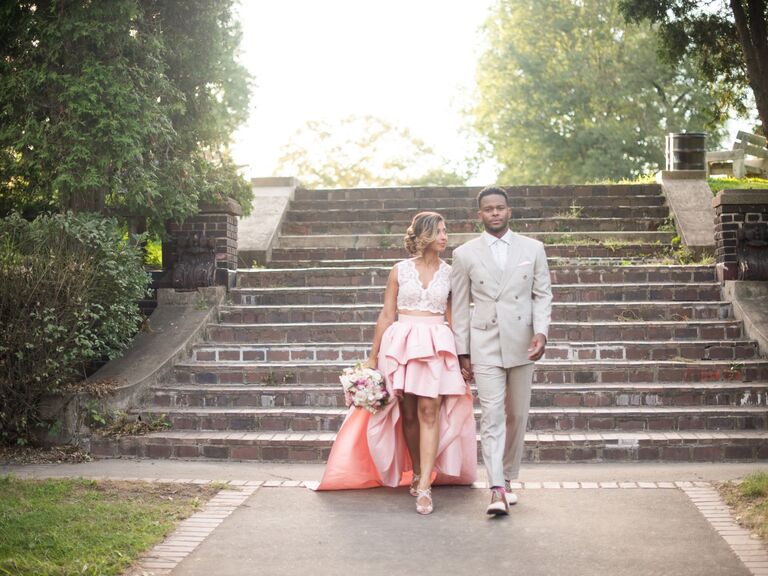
(69, 286)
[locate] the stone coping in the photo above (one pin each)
(741, 196)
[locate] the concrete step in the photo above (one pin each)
(470, 192)
(403, 216)
(563, 395)
(362, 332)
(547, 372)
(580, 249)
(396, 240)
(439, 204)
(540, 419)
(599, 292)
(351, 276)
(525, 226)
(561, 312)
(701, 446)
(619, 350)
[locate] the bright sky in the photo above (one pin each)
(409, 62)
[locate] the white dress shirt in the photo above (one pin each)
(499, 247)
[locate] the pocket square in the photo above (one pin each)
(524, 263)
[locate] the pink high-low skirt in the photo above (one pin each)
(417, 355)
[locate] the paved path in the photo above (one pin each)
(594, 519)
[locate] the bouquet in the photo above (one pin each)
(364, 388)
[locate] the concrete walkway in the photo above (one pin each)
(594, 519)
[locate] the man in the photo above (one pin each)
(507, 278)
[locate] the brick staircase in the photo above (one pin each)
(645, 361)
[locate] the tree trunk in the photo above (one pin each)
(753, 37)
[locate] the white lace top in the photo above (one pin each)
(411, 294)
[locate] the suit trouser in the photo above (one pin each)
(505, 397)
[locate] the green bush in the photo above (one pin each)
(69, 286)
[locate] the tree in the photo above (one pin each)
(568, 92)
(123, 107)
(362, 151)
(727, 40)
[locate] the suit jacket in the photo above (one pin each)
(510, 306)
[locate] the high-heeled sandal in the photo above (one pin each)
(424, 508)
(414, 484)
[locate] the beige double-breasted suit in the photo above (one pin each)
(510, 306)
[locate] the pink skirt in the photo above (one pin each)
(417, 355)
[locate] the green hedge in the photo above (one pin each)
(69, 286)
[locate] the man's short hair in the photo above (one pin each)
(492, 191)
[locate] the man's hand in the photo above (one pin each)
(536, 349)
(466, 368)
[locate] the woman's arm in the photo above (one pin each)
(448, 311)
(386, 317)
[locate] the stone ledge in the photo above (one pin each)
(174, 328)
(749, 306)
(740, 197)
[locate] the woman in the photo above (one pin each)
(429, 428)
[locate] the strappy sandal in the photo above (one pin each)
(414, 484)
(424, 508)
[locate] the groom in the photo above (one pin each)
(506, 276)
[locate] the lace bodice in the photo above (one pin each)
(411, 295)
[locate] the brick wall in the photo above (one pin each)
(736, 210)
(215, 226)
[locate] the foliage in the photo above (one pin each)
(717, 184)
(749, 499)
(68, 291)
(122, 107)
(62, 527)
(727, 41)
(359, 152)
(569, 93)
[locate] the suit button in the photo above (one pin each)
(525, 275)
(481, 281)
(493, 321)
(519, 317)
(516, 298)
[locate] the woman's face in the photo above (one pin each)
(440, 243)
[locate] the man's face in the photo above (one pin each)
(494, 213)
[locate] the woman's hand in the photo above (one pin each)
(370, 363)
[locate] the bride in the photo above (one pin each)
(426, 434)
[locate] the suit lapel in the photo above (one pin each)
(513, 257)
(486, 259)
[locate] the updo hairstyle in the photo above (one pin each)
(422, 232)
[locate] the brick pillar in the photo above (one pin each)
(740, 215)
(211, 233)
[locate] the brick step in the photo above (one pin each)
(603, 292)
(547, 372)
(439, 204)
(525, 226)
(403, 216)
(392, 240)
(723, 446)
(564, 395)
(362, 332)
(559, 274)
(561, 312)
(389, 262)
(582, 249)
(620, 350)
(471, 192)
(540, 419)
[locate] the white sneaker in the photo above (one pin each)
(511, 496)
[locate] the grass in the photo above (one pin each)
(63, 527)
(749, 501)
(718, 184)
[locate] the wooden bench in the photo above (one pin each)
(749, 157)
